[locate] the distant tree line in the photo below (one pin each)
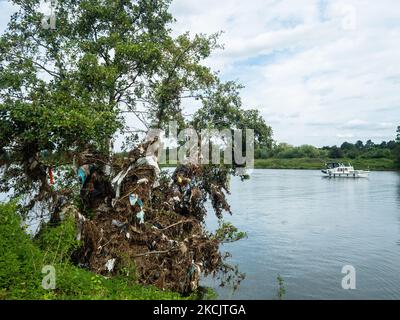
(358, 150)
(397, 149)
(287, 151)
(367, 150)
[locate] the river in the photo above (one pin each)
(306, 228)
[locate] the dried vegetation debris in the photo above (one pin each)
(140, 214)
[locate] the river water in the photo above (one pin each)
(306, 228)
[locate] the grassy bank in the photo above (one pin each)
(315, 164)
(22, 260)
(383, 164)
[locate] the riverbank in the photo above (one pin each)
(22, 260)
(383, 164)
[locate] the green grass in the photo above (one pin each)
(315, 164)
(22, 260)
(382, 164)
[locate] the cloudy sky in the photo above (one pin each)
(321, 72)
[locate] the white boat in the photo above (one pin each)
(339, 170)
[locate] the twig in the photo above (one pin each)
(153, 252)
(102, 246)
(175, 224)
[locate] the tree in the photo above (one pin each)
(369, 144)
(347, 146)
(222, 109)
(66, 90)
(336, 153)
(396, 150)
(359, 145)
(181, 76)
(350, 150)
(391, 144)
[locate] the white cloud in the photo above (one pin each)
(329, 62)
(356, 123)
(345, 135)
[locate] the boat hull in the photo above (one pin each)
(351, 175)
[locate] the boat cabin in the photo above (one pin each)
(333, 165)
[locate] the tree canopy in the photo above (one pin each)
(397, 148)
(348, 150)
(222, 108)
(67, 89)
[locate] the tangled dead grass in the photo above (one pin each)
(153, 218)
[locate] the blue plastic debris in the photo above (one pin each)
(140, 216)
(82, 175)
(133, 199)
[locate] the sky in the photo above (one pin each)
(321, 72)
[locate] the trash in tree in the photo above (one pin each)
(156, 219)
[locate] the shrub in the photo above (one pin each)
(19, 258)
(22, 259)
